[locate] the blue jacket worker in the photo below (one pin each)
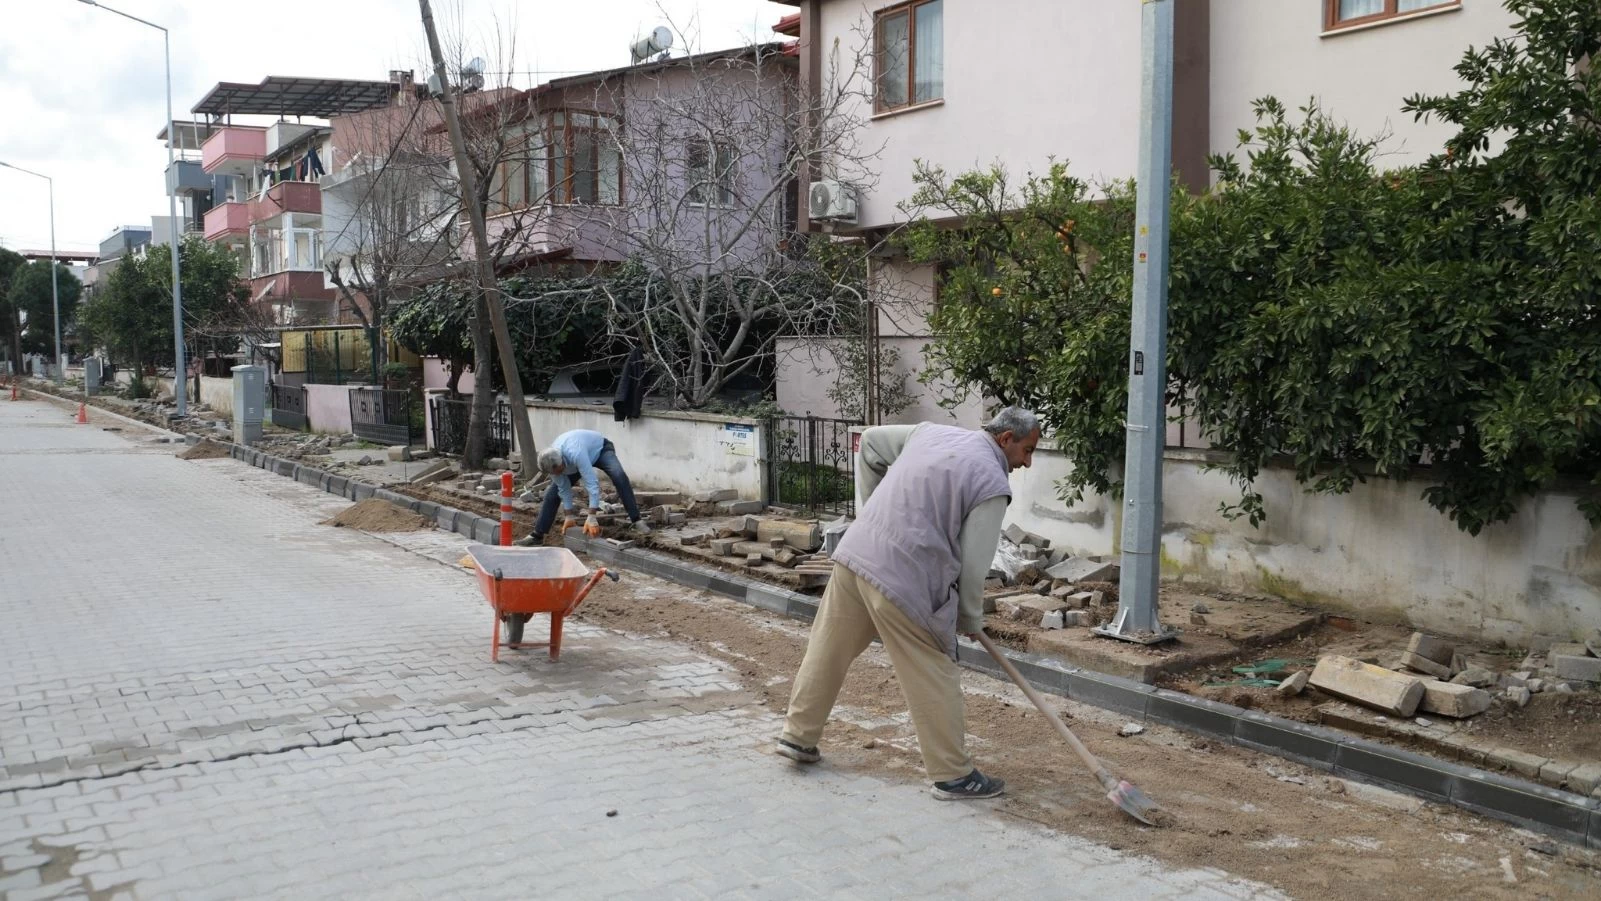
(575, 455)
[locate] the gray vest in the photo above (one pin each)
(905, 540)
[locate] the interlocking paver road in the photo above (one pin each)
(206, 694)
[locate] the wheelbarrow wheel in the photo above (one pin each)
(514, 627)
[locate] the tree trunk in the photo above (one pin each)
(453, 384)
(483, 406)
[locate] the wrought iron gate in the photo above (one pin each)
(811, 464)
(450, 418)
(381, 415)
(289, 407)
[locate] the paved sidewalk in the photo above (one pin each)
(206, 694)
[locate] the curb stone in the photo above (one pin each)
(1564, 815)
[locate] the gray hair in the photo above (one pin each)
(549, 459)
(1018, 421)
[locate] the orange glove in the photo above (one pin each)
(592, 526)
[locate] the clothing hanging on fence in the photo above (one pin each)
(630, 398)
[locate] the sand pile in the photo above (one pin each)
(374, 515)
(205, 450)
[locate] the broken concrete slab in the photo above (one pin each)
(737, 508)
(1294, 684)
(692, 540)
(1364, 683)
(1476, 676)
(1418, 662)
(1053, 620)
(400, 453)
(1431, 648)
(1569, 649)
(437, 471)
(1077, 618)
(723, 547)
(1518, 695)
(753, 560)
(716, 495)
(802, 536)
(1080, 569)
(1014, 533)
(1453, 700)
(1584, 669)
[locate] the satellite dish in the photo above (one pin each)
(472, 76)
(660, 41)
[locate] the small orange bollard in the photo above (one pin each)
(505, 508)
(83, 413)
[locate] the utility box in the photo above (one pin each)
(91, 376)
(249, 403)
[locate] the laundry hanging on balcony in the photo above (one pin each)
(309, 167)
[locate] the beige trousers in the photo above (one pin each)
(851, 615)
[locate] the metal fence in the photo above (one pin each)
(289, 407)
(811, 464)
(450, 419)
(381, 415)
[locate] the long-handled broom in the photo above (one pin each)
(1129, 799)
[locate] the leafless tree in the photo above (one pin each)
(710, 149)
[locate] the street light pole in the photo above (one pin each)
(1137, 613)
(55, 294)
(179, 380)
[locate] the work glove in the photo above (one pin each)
(568, 522)
(592, 525)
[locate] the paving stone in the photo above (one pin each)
(1450, 699)
(1426, 666)
(1080, 569)
(1520, 762)
(1432, 649)
(1584, 669)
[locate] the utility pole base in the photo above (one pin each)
(1119, 629)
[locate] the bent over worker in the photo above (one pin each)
(577, 455)
(910, 571)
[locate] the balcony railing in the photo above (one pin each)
(233, 145)
(288, 197)
(227, 219)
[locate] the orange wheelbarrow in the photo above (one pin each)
(521, 581)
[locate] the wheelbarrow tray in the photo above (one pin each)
(522, 581)
(531, 579)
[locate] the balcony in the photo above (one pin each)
(233, 151)
(186, 177)
(287, 197)
(282, 286)
(227, 220)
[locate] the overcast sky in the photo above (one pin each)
(84, 95)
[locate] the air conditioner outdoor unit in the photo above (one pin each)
(829, 199)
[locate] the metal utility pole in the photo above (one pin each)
(485, 266)
(55, 295)
(179, 370)
(1136, 618)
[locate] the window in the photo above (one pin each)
(910, 54)
(1346, 13)
(711, 173)
(572, 158)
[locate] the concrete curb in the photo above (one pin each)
(1564, 815)
(476, 528)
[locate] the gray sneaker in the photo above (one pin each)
(796, 752)
(642, 527)
(530, 541)
(973, 786)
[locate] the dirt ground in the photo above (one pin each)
(1253, 815)
(374, 515)
(205, 450)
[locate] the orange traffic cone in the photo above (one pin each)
(83, 413)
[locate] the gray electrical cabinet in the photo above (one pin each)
(91, 375)
(249, 403)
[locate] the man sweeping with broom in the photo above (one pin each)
(910, 572)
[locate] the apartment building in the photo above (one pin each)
(263, 200)
(962, 84)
